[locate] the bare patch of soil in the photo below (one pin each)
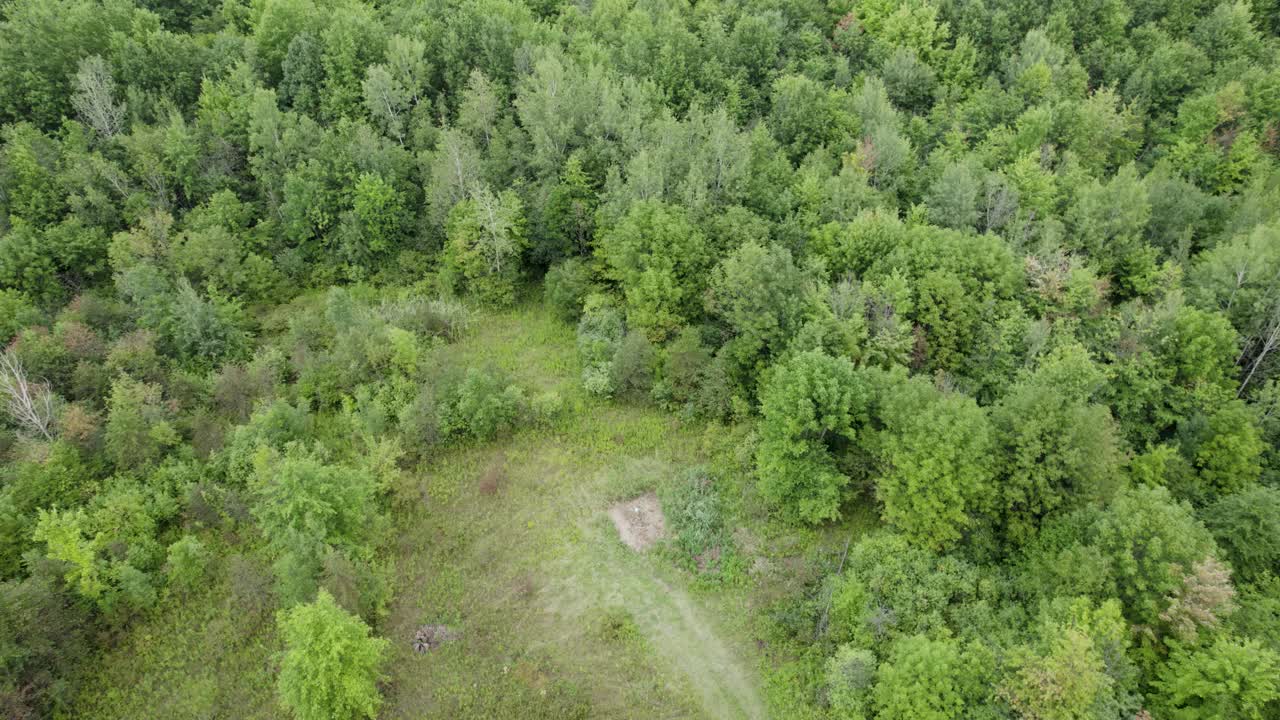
(495, 476)
(639, 521)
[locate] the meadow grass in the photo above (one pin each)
(508, 544)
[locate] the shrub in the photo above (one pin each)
(631, 371)
(481, 406)
(695, 513)
(566, 286)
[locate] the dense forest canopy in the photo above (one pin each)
(1007, 272)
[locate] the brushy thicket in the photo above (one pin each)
(1007, 271)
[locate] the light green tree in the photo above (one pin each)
(938, 451)
(922, 680)
(1231, 679)
(331, 663)
(811, 404)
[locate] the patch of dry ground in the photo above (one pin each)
(639, 521)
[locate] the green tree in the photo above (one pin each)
(1246, 525)
(352, 41)
(331, 664)
(1109, 221)
(1227, 449)
(565, 287)
(1147, 541)
(924, 679)
(850, 676)
(812, 405)
(139, 428)
(659, 259)
(382, 217)
(760, 294)
(893, 588)
(803, 116)
(1059, 447)
(937, 449)
(37, 84)
(1066, 677)
(570, 212)
(187, 561)
(486, 237)
(1229, 679)
(30, 161)
(953, 197)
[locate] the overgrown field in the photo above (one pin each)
(508, 544)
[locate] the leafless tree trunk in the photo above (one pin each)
(1268, 340)
(94, 98)
(29, 404)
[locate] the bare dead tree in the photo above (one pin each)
(94, 99)
(29, 404)
(1263, 344)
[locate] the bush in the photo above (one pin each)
(481, 406)
(695, 514)
(685, 366)
(566, 286)
(546, 407)
(443, 318)
(631, 371)
(272, 425)
(600, 333)
(306, 507)
(420, 420)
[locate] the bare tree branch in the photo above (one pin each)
(29, 404)
(93, 99)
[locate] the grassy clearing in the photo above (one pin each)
(557, 616)
(509, 544)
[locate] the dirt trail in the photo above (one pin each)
(680, 630)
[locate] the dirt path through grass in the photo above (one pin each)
(682, 632)
(688, 638)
